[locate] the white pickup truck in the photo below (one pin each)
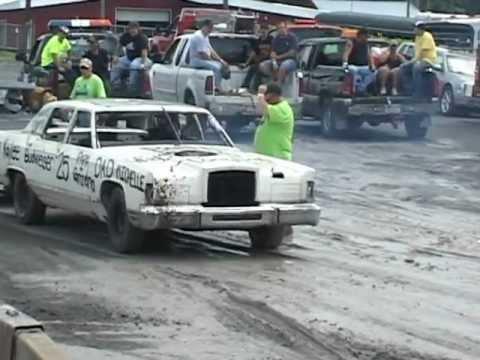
(175, 80)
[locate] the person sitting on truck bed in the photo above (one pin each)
(425, 57)
(57, 45)
(100, 60)
(136, 59)
(203, 56)
(283, 56)
(260, 53)
(358, 59)
(389, 68)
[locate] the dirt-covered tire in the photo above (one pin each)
(28, 208)
(414, 129)
(125, 237)
(266, 238)
(329, 121)
(447, 101)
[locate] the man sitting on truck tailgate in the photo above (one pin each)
(260, 53)
(425, 57)
(358, 59)
(136, 59)
(57, 45)
(203, 56)
(283, 57)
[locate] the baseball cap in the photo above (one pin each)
(64, 29)
(420, 24)
(86, 63)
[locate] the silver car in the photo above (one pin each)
(456, 75)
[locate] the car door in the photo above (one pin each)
(165, 75)
(73, 175)
(41, 155)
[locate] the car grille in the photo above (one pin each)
(231, 188)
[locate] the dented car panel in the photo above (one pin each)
(74, 152)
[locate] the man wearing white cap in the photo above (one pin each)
(88, 85)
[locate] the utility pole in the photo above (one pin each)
(225, 4)
(102, 9)
(409, 4)
(29, 29)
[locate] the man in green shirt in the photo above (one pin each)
(57, 45)
(88, 85)
(274, 137)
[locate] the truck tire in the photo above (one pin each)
(329, 122)
(28, 208)
(125, 237)
(267, 238)
(447, 101)
(413, 128)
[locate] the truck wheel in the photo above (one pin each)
(267, 238)
(329, 122)
(125, 237)
(354, 125)
(28, 208)
(447, 101)
(414, 128)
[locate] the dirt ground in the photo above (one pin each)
(390, 273)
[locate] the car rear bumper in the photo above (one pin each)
(386, 106)
(218, 218)
(469, 102)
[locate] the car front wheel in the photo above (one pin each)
(267, 238)
(125, 237)
(28, 208)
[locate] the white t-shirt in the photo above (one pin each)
(199, 44)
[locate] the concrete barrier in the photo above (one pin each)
(23, 338)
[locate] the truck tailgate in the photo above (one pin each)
(234, 105)
(387, 105)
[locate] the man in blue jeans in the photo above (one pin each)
(136, 59)
(203, 56)
(425, 57)
(358, 59)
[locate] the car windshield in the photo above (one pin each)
(233, 50)
(80, 44)
(158, 127)
(461, 65)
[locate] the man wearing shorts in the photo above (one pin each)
(282, 60)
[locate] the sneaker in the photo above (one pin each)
(383, 91)
(394, 92)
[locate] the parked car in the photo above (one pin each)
(329, 94)
(456, 76)
(141, 166)
(175, 80)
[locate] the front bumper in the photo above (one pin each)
(468, 102)
(218, 218)
(233, 106)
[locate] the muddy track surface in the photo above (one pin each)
(391, 272)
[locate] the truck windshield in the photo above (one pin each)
(234, 50)
(158, 127)
(461, 65)
(453, 35)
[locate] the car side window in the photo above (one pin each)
(57, 124)
(180, 54)
(168, 59)
(304, 56)
(36, 125)
(80, 130)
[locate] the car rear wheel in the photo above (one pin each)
(447, 101)
(28, 208)
(415, 127)
(125, 237)
(329, 122)
(267, 238)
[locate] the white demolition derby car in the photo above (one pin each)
(141, 166)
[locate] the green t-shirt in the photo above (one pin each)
(88, 88)
(54, 48)
(274, 137)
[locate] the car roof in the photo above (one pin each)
(314, 41)
(120, 105)
(468, 21)
(443, 50)
(221, 34)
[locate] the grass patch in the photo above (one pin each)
(7, 55)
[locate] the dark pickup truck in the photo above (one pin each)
(329, 94)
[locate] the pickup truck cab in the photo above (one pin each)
(329, 95)
(175, 80)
